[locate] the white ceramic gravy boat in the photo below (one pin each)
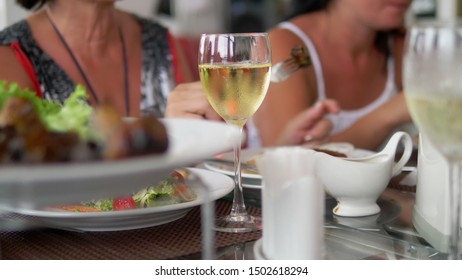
(356, 183)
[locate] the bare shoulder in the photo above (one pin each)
(285, 40)
(282, 41)
(13, 72)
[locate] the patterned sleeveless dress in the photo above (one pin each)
(157, 80)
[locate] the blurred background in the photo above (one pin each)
(193, 17)
(187, 19)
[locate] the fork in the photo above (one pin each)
(299, 58)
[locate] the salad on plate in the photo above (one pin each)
(172, 190)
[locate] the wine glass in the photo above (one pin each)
(235, 73)
(433, 90)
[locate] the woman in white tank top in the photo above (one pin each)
(353, 63)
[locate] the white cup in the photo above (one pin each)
(292, 204)
(293, 221)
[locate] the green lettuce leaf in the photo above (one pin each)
(101, 204)
(156, 195)
(73, 115)
(43, 107)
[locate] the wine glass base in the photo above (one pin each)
(244, 223)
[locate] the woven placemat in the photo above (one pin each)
(168, 241)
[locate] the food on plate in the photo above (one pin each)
(124, 203)
(73, 115)
(33, 130)
(146, 135)
(25, 138)
(75, 208)
(171, 190)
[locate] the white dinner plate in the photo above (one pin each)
(218, 185)
(254, 180)
(36, 186)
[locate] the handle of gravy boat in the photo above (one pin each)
(391, 146)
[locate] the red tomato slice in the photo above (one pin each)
(123, 203)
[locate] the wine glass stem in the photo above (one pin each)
(455, 201)
(238, 209)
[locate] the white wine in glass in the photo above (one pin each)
(433, 89)
(235, 73)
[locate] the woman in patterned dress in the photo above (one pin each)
(130, 62)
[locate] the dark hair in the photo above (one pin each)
(308, 6)
(247, 22)
(32, 4)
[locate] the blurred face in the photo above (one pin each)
(379, 14)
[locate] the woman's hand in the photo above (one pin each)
(310, 127)
(188, 101)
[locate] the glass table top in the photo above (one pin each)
(388, 235)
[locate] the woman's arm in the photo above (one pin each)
(11, 70)
(285, 100)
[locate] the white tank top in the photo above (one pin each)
(345, 118)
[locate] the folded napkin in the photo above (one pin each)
(292, 204)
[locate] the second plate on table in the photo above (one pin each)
(219, 185)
